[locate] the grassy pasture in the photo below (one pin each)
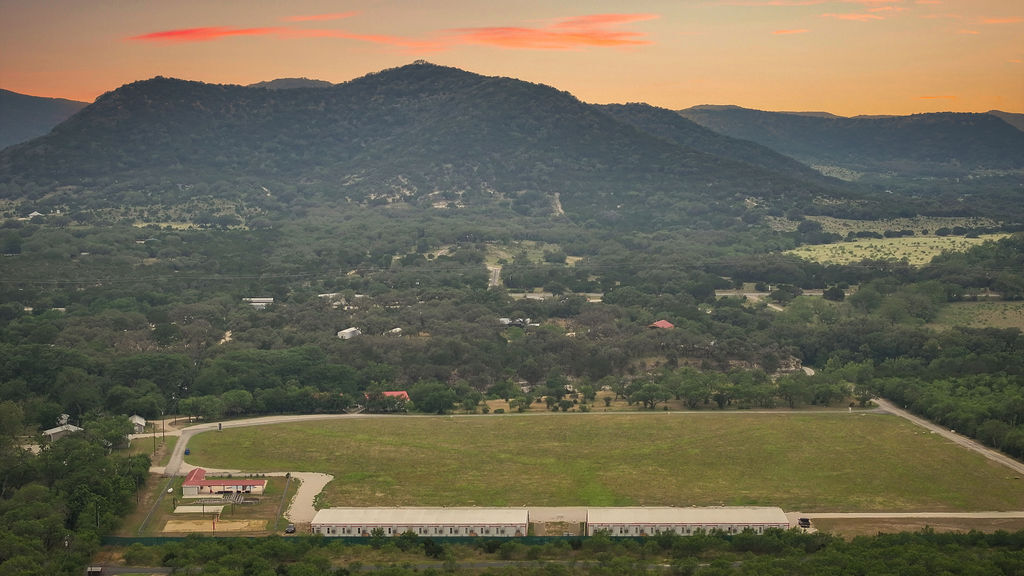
(918, 250)
(800, 461)
(981, 315)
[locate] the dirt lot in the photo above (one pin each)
(206, 525)
(850, 528)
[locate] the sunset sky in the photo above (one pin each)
(848, 57)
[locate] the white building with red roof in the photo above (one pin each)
(197, 485)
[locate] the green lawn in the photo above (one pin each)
(802, 461)
(918, 250)
(981, 314)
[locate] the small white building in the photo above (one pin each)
(138, 423)
(432, 522)
(60, 431)
(637, 521)
(349, 333)
(258, 303)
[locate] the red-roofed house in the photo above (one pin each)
(662, 324)
(196, 485)
(400, 394)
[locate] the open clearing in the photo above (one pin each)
(799, 461)
(981, 315)
(918, 250)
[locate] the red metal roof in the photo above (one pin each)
(197, 477)
(662, 324)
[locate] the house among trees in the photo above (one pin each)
(349, 333)
(258, 303)
(138, 423)
(60, 431)
(663, 324)
(196, 485)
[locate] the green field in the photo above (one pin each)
(981, 315)
(918, 250)
(799, 461)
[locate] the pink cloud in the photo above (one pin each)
(785, 32)
(854, 17)
(321, 17)
(593, 30)
(596, 30)
(204, 34)
(1002, 20)
(967, 32)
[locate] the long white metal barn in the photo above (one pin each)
(642, 521)
(433, 522)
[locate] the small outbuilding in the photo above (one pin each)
(663, 324)
(196, 485)
(642, 521)
(138, 423)
(432, 522)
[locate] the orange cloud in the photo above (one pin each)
(321, 17)
(1002, 20)
(565, 34)
(854, 17)
(928, 2)
(204, 34)
(594, 30)
(967, 32)
(784, 32)
(936, 97)
(756, 3)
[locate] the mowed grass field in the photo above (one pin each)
(981, 314)
(799, 461)
(918, 250)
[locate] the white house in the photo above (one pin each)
(138, 423)
(60, 431)
(636, 521)
(432, 522)
(349, 333)
(258, 303)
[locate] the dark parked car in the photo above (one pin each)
(804, 522)
(290, 529)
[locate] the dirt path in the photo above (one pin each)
(963, 441)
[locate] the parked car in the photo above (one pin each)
(290, 529)
(804, 522)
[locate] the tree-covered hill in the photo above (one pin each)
(23, 117)
(420, 133)
(937, 145)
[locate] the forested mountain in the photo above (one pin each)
(289, 83)
(23, 117)
(420, 134)
(935, 145)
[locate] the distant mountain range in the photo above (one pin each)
(438, 136)
(421, 133)
(921, 145)
(24, 117)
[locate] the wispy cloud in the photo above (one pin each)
(856, 17)
(596, 30)
(756, 3)
(205, 34)
(786, 32)
(950, 97)
(967, 32)
(928, 2)
(578, 32)
(1002, 20)
(321, 17)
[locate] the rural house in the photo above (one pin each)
(196, 485)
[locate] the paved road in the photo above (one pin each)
(961, 440)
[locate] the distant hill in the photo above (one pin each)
(920, 145)
(23, 117)
(1015, 120)
(422, 134)
(291, 83)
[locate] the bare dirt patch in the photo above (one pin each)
(206, 525)
(852, 527)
